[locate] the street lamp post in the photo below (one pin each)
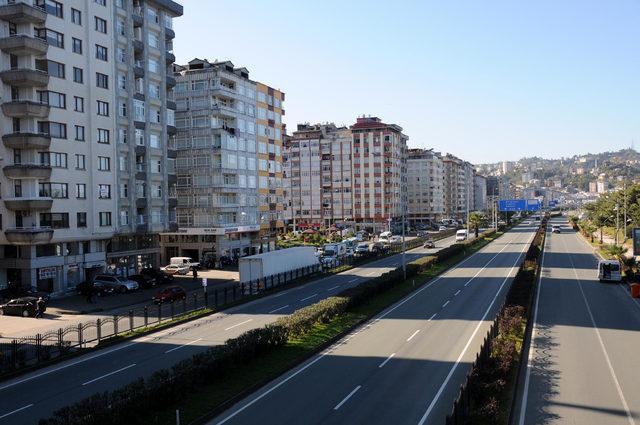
(624, 189)
(617, 210)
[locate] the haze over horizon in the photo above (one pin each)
(484, 82)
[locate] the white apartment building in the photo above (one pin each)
(425, 186)
(458, 187)
(318, 176)
(379, 173)
(64, 69)
(217, 163)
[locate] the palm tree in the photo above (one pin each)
(600, 220)
(617, 252)
(476, 220)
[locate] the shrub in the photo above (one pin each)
(302, 320)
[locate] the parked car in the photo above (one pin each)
(143, 281)
(157, 274)
(461, 235)
(395, 239)
(173, 269)
(170, 294)
(14, 291)
(442, 228)
(119, 284)
(23, 306)
(429, 244)
(362, 249)
(380, 248)
(555, 229)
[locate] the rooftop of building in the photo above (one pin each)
(171, 6)
(372, 123)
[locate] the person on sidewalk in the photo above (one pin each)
(195, 273)
(40, 307)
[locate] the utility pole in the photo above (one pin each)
(617, 222)
(624, 189)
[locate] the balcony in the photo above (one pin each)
(138, 19)
(25, 109)
(172, 179)
(173, 202)
(172, 153)
(29, 235)
(27, 171)
(141, 203)
(27, 141)
(141, 150)
(171, 129)
(138, 71)
(170, 57)
(28, 204)
(171, 104)
(23, 45)
(22, 13)
(142, 227)
(138, 46)
(172, 227)
(169, 33)
(171, 81)
(24, 77)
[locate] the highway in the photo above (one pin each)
(26, 399)
(406, 365)
(583, 364)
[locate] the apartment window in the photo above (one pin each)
(123, 163)
(122, 81)
(102, 80)
(81, 219)
(104, 191)
(53, 99)
(156, 191)
(77, 45)
(101, 52)
(55, 220)
(103, 136)
(124, 217)
(81, 191)
(154, 140)
(76, 16)
(80, 162)
(79, 103)
(122, 135)
(121, 55)
(124, 190)
(53, 38)
(54, 69)
(152, 15)
(54, 129)
(77, 75)
(153, 66)
(122, 110)
(103, 108)
(154, 91)
(101, 25)
(154, 41)
(104, 163)
(101, 2)
(79, 133)
(139, 136)
(120, 27)
(53, 190)
(53, 159)
(53, 8)
(139, 109)
(105, 218)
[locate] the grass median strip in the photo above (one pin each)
(202, 386)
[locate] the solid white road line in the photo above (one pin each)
(445, 304)
(16, 411)
(344, 400)
(109, 374)
(331, 289)
(457, 292)
(602, 346)
(182, 346)
(424, 417)
(278, 309)
(387, 359)
(238, 324)
(309, 297)
(353, 280)
(326, 352)
(534, 331)
(412, 335)
(431, 318)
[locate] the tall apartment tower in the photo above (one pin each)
(60, 67)
(458, 187)
(145, 132)
(425, 186)
(379, 173)
(270, 137)
(318, 176)
(228, 176)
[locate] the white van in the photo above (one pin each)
(461, 235)
(609, 271)
(183, 261)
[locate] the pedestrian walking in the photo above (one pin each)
(195, 273)
(40, 307)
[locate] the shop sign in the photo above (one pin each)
(47, 273)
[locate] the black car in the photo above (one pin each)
(24, 306)
(144, 281)
(98, 288)
(157, 274)
(13, 292)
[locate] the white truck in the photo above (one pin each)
(184, 262)
(275, 262)
(332, 254)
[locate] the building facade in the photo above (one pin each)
(379, 173)
(425, 186)
(480, 193)
(60, 71)
(318, 176)
(229, 163)
(458, 187)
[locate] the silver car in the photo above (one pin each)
(119, 284)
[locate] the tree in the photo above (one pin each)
(600, 220)
(476, 220)
(617, 252)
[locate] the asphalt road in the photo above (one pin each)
(406, 365)
(30, 397)
(583, 364)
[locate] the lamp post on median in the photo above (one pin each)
(617, 210)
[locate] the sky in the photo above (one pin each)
(484, 80)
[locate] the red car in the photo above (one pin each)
(170, 294)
